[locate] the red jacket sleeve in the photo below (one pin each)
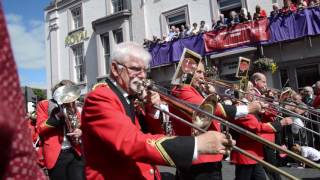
(251, 123)
(187, 93)
(42, 117)
(269, 116)
(190, 94)
(316, 102)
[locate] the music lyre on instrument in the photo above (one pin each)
(189, 109)
(188, 64)
(66, 97)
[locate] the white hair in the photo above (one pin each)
(245, 11)
(309, 89)
(126, 51)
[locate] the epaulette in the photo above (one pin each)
(98, 85)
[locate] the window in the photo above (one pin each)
(229, 5)
(284, 78)
(76, 18)
(177, 20)
(177, 17)
(307, 75)
(118, 37)
(106, 46)
(79, 62)
(118, 5)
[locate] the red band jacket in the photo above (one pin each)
(251, 123)
(116, 148)
(191, 95)
(268, 117)
(52, 136)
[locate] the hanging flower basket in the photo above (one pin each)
(264, 65)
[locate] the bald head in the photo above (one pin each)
(307, 90)
(259, 81)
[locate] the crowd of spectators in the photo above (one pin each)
(234, 18)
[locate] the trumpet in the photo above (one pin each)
(66, 97)
(192, 109)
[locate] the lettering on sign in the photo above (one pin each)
(76, 38)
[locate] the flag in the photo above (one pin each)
(17, 156)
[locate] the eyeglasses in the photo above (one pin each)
(134, 69)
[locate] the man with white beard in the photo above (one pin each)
(115, 139)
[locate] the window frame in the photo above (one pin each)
(106, 54)
(79, 62)
(172, 13)
(115, 37)
(303, 67)
(121, 5)
(76, 21)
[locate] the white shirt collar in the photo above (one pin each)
(123, 92)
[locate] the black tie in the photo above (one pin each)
(132, 109)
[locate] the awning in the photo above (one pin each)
(233, 52)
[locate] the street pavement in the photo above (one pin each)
(228, 172)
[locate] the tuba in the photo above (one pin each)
(66, 97)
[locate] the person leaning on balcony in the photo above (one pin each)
(220, 23)
(260, 13)
(275, 10)
(288, 7)
(314, 3)
(203, 27)
(233, 18)
(244, 15)
(194, 30)
(183, 32)
(301, 4)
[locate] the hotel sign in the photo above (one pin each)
(76, 37)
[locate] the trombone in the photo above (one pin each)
(262, 162)
(307, 129)
(235, 87)
(277, 107)
(189, 108)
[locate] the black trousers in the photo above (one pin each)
(270, 156)
(250, 172)
(69, 166)
(205, 171)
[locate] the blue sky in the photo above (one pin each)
(25, 21)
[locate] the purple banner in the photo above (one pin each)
(282, 28)
(295, 25)
(171, 52)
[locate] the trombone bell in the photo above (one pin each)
(199, 119)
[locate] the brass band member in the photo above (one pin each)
(114, 145)
(62, 158)
(247, 168)
(259, 82)
(207, 166)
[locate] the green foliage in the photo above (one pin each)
(40, 93)
(265, 64)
